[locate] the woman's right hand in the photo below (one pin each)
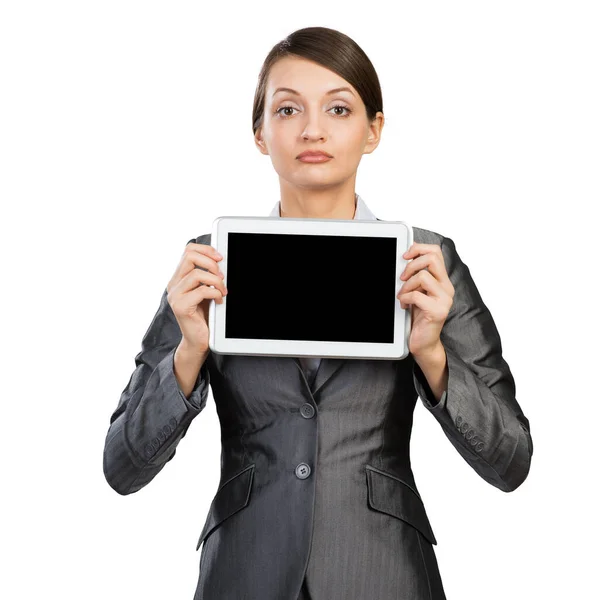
(189, 293)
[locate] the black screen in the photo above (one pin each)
(332, 288)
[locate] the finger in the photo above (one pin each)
(423, 280)
(415, 265)
(204, 292)
(429, 263)
(416, 298)
(205, 249)
(198, 278)
(186, 304)
(417, 248)
(427, 285)
(201, 256)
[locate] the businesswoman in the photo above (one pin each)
(317, 498)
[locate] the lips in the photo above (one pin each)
(314, 153)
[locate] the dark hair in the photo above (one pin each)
(335, 51)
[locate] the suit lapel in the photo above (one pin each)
(327, 368)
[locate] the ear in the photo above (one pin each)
(374, 133)
(260, 143)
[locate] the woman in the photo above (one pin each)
(317, 498)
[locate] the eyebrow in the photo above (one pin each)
(334, 91)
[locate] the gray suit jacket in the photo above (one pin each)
(316, 482)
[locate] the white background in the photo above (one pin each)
(125, 130)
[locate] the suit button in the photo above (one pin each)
(149, 449)
(469, 434)
(307, 411)
(458, 421)
(161, 435)
(479, 447)
(167, 429)
(173, 422)
(156, 443)
(302, 471)
(464, 427)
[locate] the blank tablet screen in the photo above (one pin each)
(330, 288)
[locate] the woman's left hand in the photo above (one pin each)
(428, 289)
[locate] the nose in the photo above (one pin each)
(314, 128)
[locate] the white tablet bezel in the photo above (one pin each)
(401, 230)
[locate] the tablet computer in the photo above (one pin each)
(311, 287)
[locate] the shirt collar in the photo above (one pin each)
(362, 210)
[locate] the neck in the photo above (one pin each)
(320, 206)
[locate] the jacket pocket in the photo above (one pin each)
(231, 497)
(389, 494)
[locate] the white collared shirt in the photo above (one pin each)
(311, 364)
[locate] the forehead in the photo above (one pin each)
(305, 76)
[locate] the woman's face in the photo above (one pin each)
(313, 119)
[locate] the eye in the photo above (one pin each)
(278, 111)
(344, 107)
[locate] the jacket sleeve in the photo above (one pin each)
(153, 413)
(478, 412)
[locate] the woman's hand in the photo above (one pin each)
(428, 289)
(189, 293)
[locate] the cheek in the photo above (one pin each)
(347, 138)
(349, 147)
(280, 137)
(357, 137)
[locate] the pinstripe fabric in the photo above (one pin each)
(316, 484)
